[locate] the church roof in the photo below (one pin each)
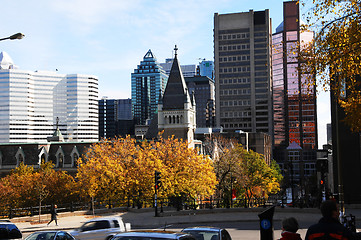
(57, 136)
(175, 94)
(294, 146)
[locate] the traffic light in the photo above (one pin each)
(322, 165)
(321, 182)
(158, 183)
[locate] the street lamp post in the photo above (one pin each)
(13, 37)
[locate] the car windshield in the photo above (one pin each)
(203, 235)
(9, 231)
(41, 236)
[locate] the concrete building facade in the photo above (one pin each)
(242, 60)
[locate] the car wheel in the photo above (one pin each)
(109, 237)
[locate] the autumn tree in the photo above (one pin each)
(124, 168)
(335, 53)
(218, 148)
(250, 173)
(26, 186)
(185, 171)
(18, 187)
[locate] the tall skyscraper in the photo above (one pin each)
(346, 154)
(31, 102)
(295, 118)
(242, 57)
(115, 118)
(148, 80)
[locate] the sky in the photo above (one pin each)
(108, 38)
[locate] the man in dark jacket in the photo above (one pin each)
(53, 214)
(329, 226)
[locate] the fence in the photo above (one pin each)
(179, 203)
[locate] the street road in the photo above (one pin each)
(241, 230)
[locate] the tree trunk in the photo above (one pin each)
(93, 206)
(39, 208)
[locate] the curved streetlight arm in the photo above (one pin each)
(13, 37)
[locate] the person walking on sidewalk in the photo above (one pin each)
(289, 229)
(53, 215)
(329, 226)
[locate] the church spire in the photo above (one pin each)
(175, 51)
(176, 93)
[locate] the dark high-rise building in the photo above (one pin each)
(294, 104)
(203, 88)
(148, 80)
(242, 61)
(115, 118)
(346, 154)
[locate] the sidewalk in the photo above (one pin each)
(144, 218)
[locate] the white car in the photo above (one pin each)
(100, 229)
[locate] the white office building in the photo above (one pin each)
(31, 102)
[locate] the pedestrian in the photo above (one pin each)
(289, 229)
(329, 226)
(53, 215)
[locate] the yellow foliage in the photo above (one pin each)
(334, 55)
(250, 172)
(124, 168)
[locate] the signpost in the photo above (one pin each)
(266, 223)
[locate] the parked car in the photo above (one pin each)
(9, 230)
(50, 235)
(208, 233)
(100, 229)
(153, 235)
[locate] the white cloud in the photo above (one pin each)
(84, 15)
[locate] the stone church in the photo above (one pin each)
(176, 109)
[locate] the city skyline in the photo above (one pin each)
(109, 38)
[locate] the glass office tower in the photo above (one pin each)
(294, 103)
(294, 106)
(115, 118)
(148, 80)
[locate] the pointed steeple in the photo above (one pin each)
(57, 136)
(175, 94)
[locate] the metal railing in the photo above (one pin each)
(178, 203)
